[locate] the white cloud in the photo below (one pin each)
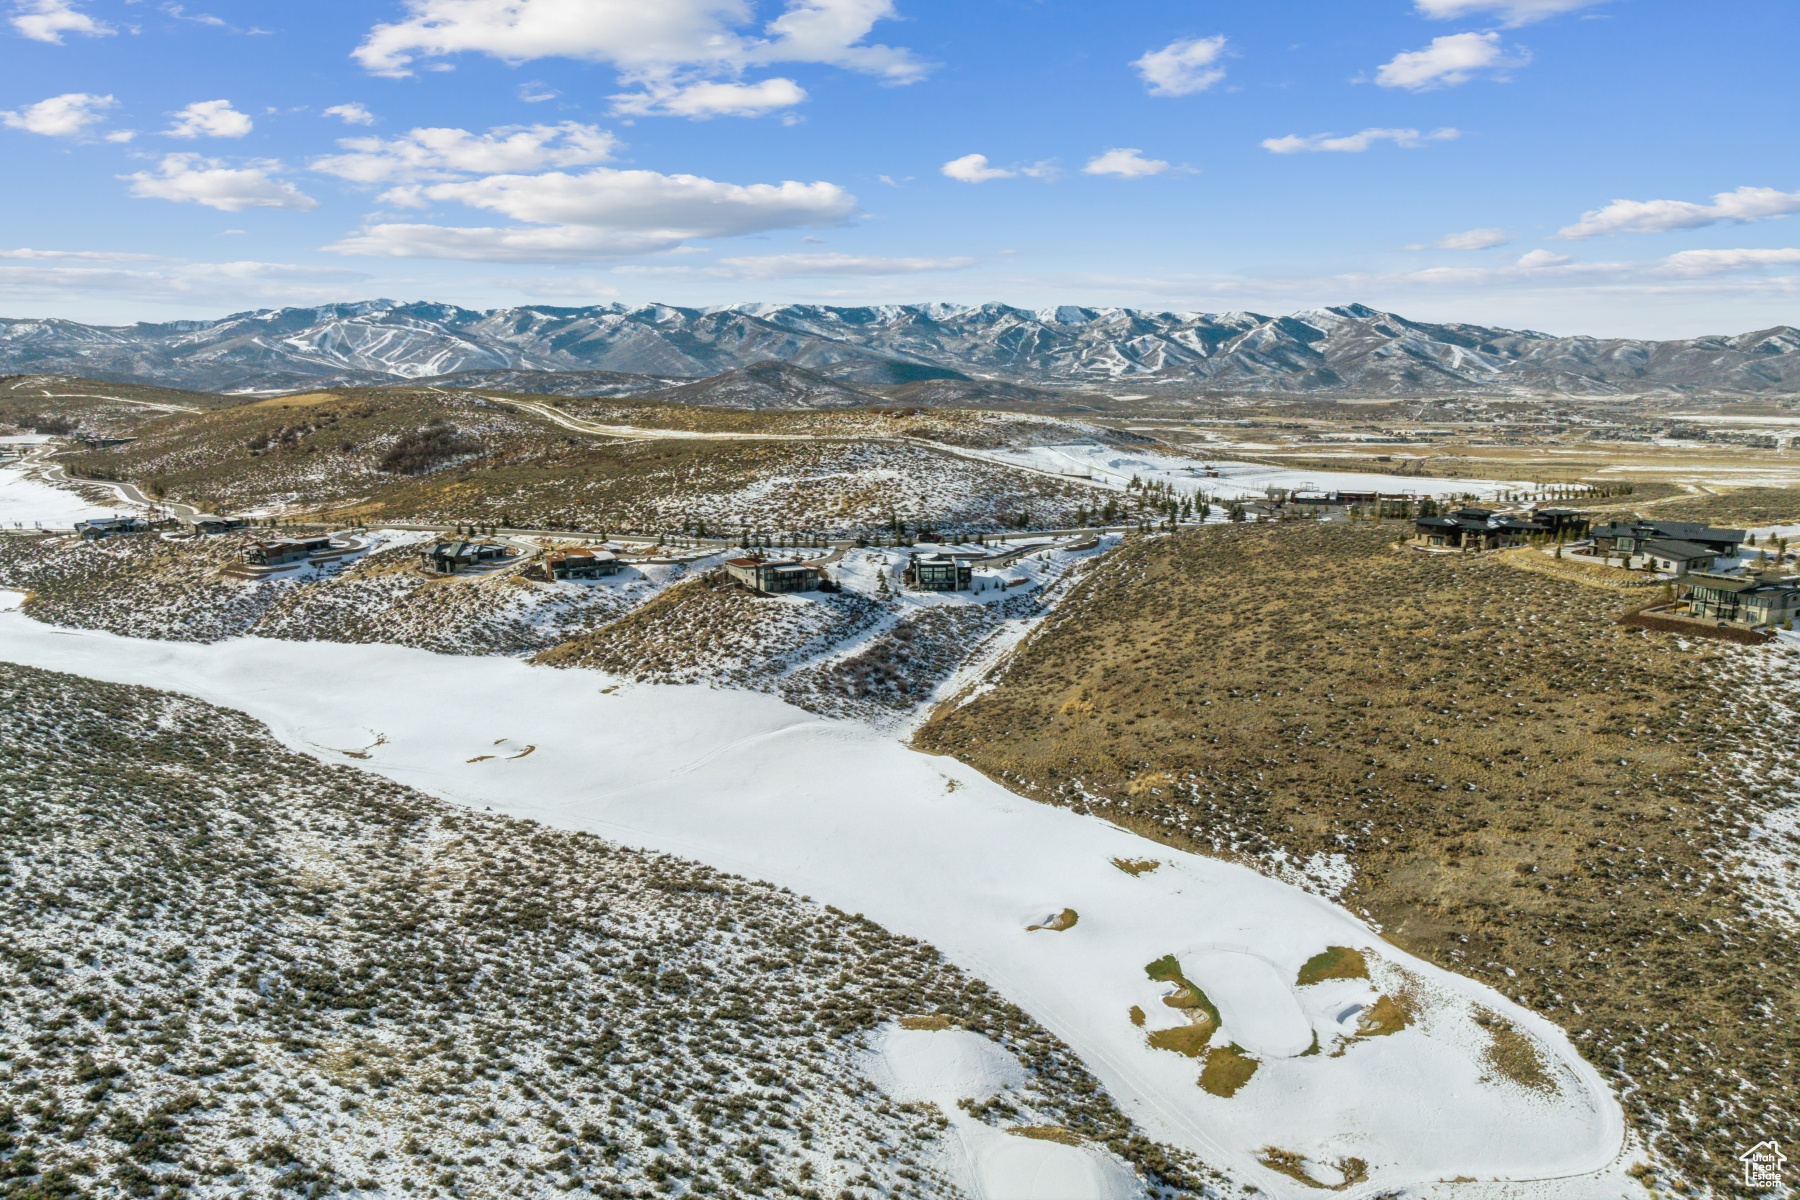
(180, 13)
(1468, 239)
(1534, 259)
(709, 99)
(1661, 216)
(1511, 12)
(686, 57)
(831, 31)
(67, 115)
(1125, 163)
(536, 92)
(209, 118)
(540, 244)
(351, 114)
(602, 214)
(678, 206)
(973, 168)
(776, 266)
(191, 178)
(1717, 262)
(1183, 67)
(77, 255)
(1448, 61)
(438, 154)
(48, 20)
(235, 285)
(1355, 143)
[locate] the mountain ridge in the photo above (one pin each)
(1346, 350)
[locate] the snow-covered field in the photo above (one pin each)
(931, 848)
(944, 1067)
(1111, 465)
(27, 503)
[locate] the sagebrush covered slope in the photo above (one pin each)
(419, 454)
(1520, 789)
(229, 970)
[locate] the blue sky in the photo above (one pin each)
(1617, 167)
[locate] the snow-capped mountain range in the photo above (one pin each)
(1351, 349)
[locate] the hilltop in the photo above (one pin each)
(446, 456)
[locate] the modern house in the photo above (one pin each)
(1754, 601)
(1676, 558)
(580, 563)
(203, 523)
(774, 578)
(282, 551)
(940, 572)
(101, 527)
(1626, 539)
(1722, 542)
(445, 558)
(1476, 529)
(1563, 522)
(1332, 499)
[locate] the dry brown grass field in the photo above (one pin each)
(1740, 507)
(1527, 792)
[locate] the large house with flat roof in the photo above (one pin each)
(941, 572)
(580, 563)
(1563, 522)
(1476, 529)
(282, 551)
(445, 558)
(774, 577)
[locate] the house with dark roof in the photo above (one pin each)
(1676, 558)
(99, 527)
(580, 563)
(1722, 542)
(940, 572)
(1476, 529)
(1563, 522)
(207, 523)
(446, 558)
(282, 552)
(1751, 600)
(1626, 539)
(774, 577)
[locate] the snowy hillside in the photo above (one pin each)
(231, 972)
(1189, 985)
(1349, 349)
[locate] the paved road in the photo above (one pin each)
(55, 472)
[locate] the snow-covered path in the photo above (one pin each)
(1114, 466)
(929, 847)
